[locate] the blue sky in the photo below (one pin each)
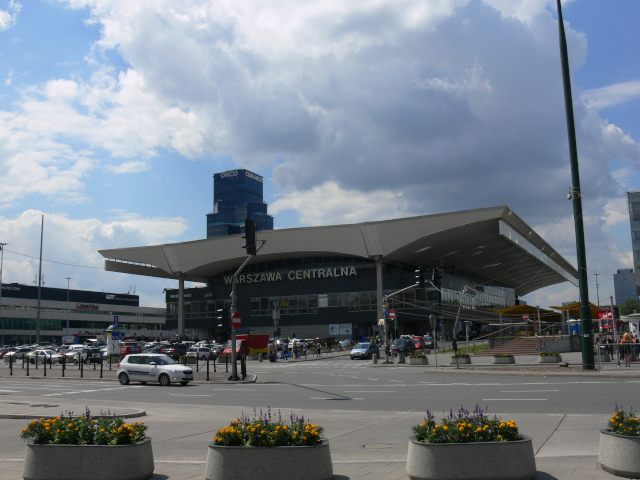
(114, 116)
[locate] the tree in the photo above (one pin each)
(630, 306)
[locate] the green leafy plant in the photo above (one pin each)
(549, 354)
(466, 427)
(502, 355)
(624, 423)
(460, 355)
(85, 430)
(417, 355)
(267, 431)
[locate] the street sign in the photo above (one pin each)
(525, 317)
(115, 321)
(392, 314)
(236, 321)
(117, 335)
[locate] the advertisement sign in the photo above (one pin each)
(334, 329)
(345, 329)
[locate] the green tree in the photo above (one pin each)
(630, 306)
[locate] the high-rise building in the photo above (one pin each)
(624, 285)
(237, 195)
(633, 204)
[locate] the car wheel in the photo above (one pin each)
(143, 383)
(184, 383)
(32, 361)
(368, 356)
(75, 362)
(351, 357)
(124, 378)
(164, 380)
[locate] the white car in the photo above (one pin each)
(153, 367)
(42, 354)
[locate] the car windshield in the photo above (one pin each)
(49, 352)
(163, 360)
(398, 342)
(361, 345)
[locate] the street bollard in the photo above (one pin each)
(11, 364)
(226, 363)
(208, 369)
(45, 365)
(36, 361)
(64, 364)
(374, 357)
(101, 363)
(197, 365)
(27, 366)
(401, 357)
(260, 358)
(81, 368)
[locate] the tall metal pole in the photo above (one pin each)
(68, 278)
(39, 283)
(597, 289)
(1, 261)
(585, 308)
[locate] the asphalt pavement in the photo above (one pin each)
(364, 444)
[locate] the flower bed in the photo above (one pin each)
(620, 445)
(255, 449)
(503, 358)
(492, 449)
(418, 360)
(549, 357)
(462, 359)
(80, 448)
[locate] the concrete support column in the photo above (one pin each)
(181, 306)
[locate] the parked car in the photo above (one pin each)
(42, 355)
(364, 350)
(174, 350)
(19, 353)
(201, 353)
(404, 345)
(153, 367)
(418, 343)
(428, 341)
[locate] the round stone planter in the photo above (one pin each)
(264, 463)
(550, 359)
(418, 361)
(471, 461)
(619, 454)
(503, 360)
(461, 361)
(80, 462)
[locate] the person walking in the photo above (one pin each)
(296, 350)
(626, 349)
(285, 350)
(319, 347)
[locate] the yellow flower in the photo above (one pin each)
(34, 422)
(262, 432)
(253, 430)
(71, 425)
(445, 427)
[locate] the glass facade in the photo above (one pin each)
(237, 195)
(633, 204)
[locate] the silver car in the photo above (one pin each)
(153, 367)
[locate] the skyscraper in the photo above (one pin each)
(633, 204)
(237, 195)
(624, 285)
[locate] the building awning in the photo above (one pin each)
(491, 246)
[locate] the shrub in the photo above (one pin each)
(265, 431)
(549, 354)
(460, 355)
(624, 423)
(84, 431)
(466, 427)
(502, 355)
(416, 355)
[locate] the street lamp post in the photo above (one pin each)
(1, 260)
(68, 278)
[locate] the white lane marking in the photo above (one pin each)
(332, 398)
(399, 381)
(527, 391)
(369, 391)
(90, 391)
(234, 389)
(188, 395)
(9, 391)
(514, 399)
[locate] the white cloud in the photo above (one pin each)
(70, 249)
(9, 17)
(612, 95)
(128, 167)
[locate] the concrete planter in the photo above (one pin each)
(97, 462)
(418, 361)
(503, 360)
(619, 454)
(461, 361)
(264, 463)
(550, 359)
(471, 461)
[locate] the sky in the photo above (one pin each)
(114, 116)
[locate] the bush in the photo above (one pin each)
(466, 427)
(415, 355)
(624, 423)
(267, 432)
(549, 354)
(460, 355)
(84, 431)
(501, 355)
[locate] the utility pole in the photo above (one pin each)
(68, 278)
(597, 290)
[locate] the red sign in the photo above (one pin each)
(235, 320)
(392, 314)
(525, 317)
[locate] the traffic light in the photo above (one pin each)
(420, 277)
(250, 236)
(437, 277)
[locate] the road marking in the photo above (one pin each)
(369, 391)
(234, 389)
(188, 395)
(90, 391)
(399, 381)
(526, 391)
(514, 399)
(9, 391)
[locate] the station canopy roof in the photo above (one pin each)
(493, 246)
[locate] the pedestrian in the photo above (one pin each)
(626, 349)
(285, 350)
(319, 347)
(610, 344)
(305, 349)
(296, 350)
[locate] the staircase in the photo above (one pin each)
(517, 346)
